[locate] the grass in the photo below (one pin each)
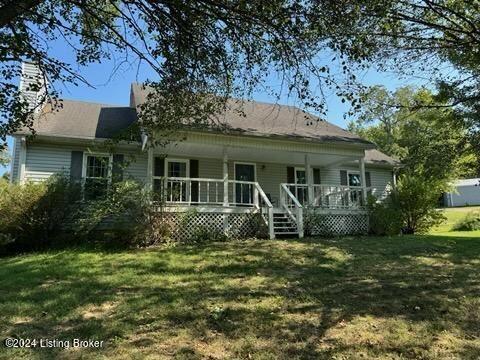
(453, 215)
(400, 297)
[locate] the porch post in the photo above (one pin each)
(225, 190)
(225, 178)
(150, 169)
(308, 175)
(363, 180)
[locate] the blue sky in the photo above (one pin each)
(115, 89)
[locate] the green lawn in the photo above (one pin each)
(402, 297)
(453, 215)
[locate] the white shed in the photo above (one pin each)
(467, 192)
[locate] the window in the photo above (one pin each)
(300, 177)
(172, 190)
(97, 176)
(177, 169)
(301, 192)
(354, 179)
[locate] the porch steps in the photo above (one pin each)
(283, 224)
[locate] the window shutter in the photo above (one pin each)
(76, 166)
(316, 176)
(159, 166)
(343, 177)
(368, 180)
(117, 167)
(290, 174)
(194, 174)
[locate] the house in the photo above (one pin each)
(466, 193)
(276, 165)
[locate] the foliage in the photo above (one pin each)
(431, 142)
(384, 216)
(417, 200)
(229, 49)
(194, 48)
(435, 40)
(470, 222)
(4, 157)
(125, 214)
(6, 176)
(410, 207)
(35, 212)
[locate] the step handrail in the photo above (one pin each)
(290, 194)
(298, 207)
(268, 203)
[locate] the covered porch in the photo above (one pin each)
(277, 180)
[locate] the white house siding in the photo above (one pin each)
(42, 161)
(271, 177)
(210, 168)
(380, 178)
(136, 165)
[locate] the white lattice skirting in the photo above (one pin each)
(322, 224)
(186, 225)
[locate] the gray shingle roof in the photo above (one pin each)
(270, 120)
(376, 157)
(79, 119)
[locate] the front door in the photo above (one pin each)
(244, 192)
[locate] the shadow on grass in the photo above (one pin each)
(280, 299)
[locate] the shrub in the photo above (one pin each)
(125, 214)
(410, 207)
(384, 217)
(417, 199)
(34, 212)
(470, 222)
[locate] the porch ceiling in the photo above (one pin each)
(192, 150)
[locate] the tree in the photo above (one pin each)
(202, 51)
(227, 48)
(4, 157)
(436, 40)
(429, 140)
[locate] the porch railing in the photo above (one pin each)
(329, 196)
(204, 191)
(292, 206)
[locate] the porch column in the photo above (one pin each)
(225, 178)
(363, 180)
(309, 178)
(150, 169)
(225, 190)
